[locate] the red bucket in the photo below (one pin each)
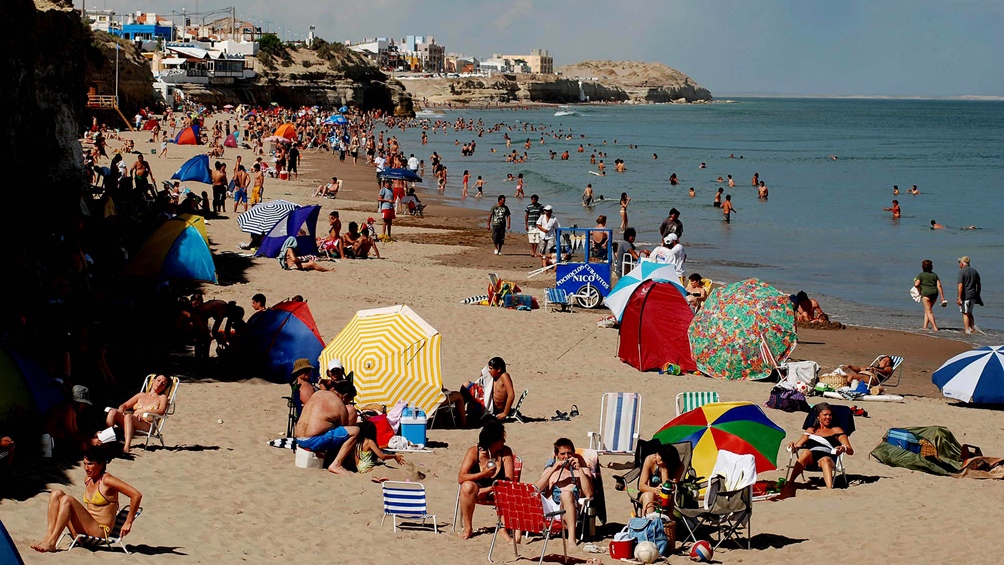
(622, 549)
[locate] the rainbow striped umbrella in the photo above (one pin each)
(739, 427)
(394, 355)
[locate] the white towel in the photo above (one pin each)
(487, 383)
(738, 471)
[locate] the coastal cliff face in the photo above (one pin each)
(135, 79)
(642, 82)
(303, 78)
(43, 95)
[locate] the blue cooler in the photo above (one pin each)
(413, 425)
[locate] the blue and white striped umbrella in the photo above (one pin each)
(974, 376)
(262, 217)
(619, 295)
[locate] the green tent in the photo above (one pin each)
(948, 461)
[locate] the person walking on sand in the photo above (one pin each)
(929, 285)
(896, 212)
(727, 209)
(385, 200)
(499, 222)
(969, 288)
(533, 211)
(624, 205)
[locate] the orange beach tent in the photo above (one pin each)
(286, 130)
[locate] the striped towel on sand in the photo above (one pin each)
(284, 443)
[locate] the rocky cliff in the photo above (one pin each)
(642, 82)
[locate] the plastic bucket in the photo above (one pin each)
(622, 549)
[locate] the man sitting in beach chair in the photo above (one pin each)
(877, 373)
(565, 481)
(491, 395)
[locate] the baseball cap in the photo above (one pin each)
(670, 238)
(964, 259)
(302, 364)
(81, 394)
(548, 208)
(370, 221)
(335, 364)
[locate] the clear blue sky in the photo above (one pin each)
(799, 47)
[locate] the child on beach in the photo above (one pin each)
(519, 186)
(467, 179)
(368, 453)
(480, 185)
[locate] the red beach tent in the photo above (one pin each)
(653, 331)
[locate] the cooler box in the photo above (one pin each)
(413, 425)
(306, 459)
(284, 175)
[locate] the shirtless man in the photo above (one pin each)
(328, 422)
(503, 395)
(762, 191)
(808, 310)
(142, 176)
(936, 226)
(563, 482)
(894, 209)
(257, 184)
(219, 177)
(242, 180)
(587, 195)
(727, 209)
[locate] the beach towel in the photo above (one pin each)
(739, 471)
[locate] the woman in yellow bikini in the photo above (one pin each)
(129, 416)
(95, 516)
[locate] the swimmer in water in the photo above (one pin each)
(894, 209)
(895, 190)
(936, 226)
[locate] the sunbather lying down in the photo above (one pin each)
(873, 374)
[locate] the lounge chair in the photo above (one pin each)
(157, 420)
(687, 401)
(728, 502)
(444, 406)
(620, 423)
(406, 501)
(557, 299)
(776, 363)
(519, 507)
(490, 501)
(114, 535)
(843, 418)
(897, 373)
(514, 414)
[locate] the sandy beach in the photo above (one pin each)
(220, 494)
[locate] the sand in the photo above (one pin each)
(220, 494)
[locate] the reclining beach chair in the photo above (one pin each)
(843, 417)
(114, 535)
(444, 406)
(630, 481)
(156, 420)
(620, 424)
(519, 507)
(897, 373)
(728, 502)
(556, 299)
(406, 501)
(687, 401)
(514, 414)
(776, 363)
(490, 501)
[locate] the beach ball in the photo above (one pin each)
(802, 387)
(701, 551)
(646, 552)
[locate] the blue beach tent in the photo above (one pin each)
(178, 249)
(195, 169)
(302, 218)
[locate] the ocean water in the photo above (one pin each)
(822, 230)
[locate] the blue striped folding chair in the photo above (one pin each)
(687, 401)
(406, 501)
(557, 299)
(620, 423)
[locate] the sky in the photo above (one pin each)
(922, 48)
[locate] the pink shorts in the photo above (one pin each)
(388, 214)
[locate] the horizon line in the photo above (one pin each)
(960, 97)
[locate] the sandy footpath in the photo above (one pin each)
(221, 495)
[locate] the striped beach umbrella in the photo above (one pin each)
(621, 293)
(974, 376)
(739, 427)
(394, 355)
(261, 218)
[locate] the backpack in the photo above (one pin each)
(648, 529)
(787, 399)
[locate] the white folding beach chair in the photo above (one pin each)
(406, 501)
(157, 420)
(687, 401)
(620, 424)
(897, 362)
(114, 535)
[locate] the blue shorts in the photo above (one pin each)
(241, 195)
(328, 441)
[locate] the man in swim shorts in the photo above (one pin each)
(327, 422)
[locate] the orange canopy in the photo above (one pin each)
(286, 130)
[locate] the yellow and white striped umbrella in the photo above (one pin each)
(394, 355)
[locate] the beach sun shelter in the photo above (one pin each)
(178, 249)
(195, 169)
(653, 328)
(287, 131)
(188, 136)
(393, 354)
(300, 223)
(275, 338)
(231, 141)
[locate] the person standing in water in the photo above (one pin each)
(624, 205)
(727, 209)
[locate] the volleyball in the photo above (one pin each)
(802, 387)
(646, 552)
(701, 551)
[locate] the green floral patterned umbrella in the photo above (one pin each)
(727, 334)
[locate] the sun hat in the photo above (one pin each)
(671, 237)
(964, 259)
(81, 394)
(302, 364)
(335, 364)
(548, 208)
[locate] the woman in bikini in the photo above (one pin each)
(130, 415)
(624, 204)
(662, 466)
(823, 443)
(488, 461)
(95, 516)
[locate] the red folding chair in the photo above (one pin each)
(517, 470)
(520, 507)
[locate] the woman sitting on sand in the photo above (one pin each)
(95, 516)
(824, 443)
(489, 461)
(130, 415)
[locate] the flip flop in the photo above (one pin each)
(559, 415)
(379, 480)
(574, 411)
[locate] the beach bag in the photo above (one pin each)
(648, 529)
(789, 400)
